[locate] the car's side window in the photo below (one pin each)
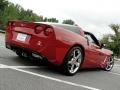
(92, 39)
(89, 38)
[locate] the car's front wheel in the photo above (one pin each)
(110, 63)
(72, 61)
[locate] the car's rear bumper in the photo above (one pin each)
(31, 53)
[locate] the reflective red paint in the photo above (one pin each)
(54, 43)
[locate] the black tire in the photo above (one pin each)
(71, 62)
(19, 54)
(110, 63)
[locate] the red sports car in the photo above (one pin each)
(66, 46)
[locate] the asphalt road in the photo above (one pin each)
(21, 74)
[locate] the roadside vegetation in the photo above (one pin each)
(113, 41)
(10, 11)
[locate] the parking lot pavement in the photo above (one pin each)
(117, 59)
(21, 74)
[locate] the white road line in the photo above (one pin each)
(2, 46)
(117, 59)
(118, 74)
(51, 78)
(1, 66)
(117, 65)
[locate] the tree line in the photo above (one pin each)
(10, 11)
(113, 41)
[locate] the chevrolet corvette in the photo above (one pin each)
(66, 46)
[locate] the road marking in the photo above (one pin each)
(117, 65)
(2, 46)
(1, 66)
(117, 59)
(118, 74)
(51, 78)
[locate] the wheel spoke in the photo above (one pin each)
(74, 54)
(77, 64)
(72, 68)
(74, 62)
(78, 56)
(69, 62)
(110, 64)
(111, 61)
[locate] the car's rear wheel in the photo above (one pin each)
(72, 61)
(110, 63)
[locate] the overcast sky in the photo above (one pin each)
(91, 15)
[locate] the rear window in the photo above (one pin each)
(74, 29)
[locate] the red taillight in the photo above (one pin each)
(39, 29)
(48, 31)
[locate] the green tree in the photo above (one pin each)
(115, 44)
(68, 21)
(50, 20)
(45, 19)
(10, 11)
(3, 4)
(110, 45)
(116, 28)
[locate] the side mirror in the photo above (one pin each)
(102, 45)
